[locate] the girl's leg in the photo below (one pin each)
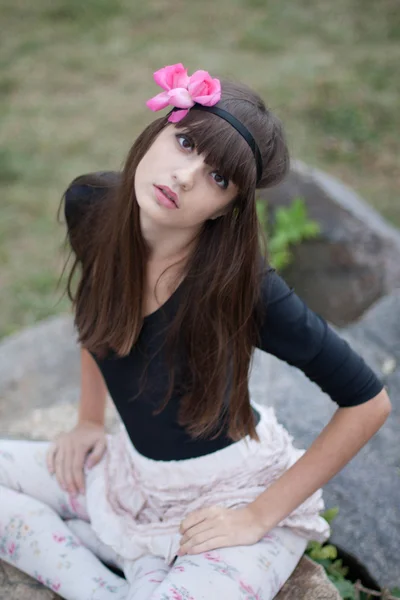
(83, 531)
(145, 575)
(239, 573)
(33, 536)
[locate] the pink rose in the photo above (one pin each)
(173, 76)
(204, 89)
(174, 79)
(182, 91)
(178, 97)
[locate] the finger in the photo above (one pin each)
(96, 454)
(69, 457)
(51, 452)
(77, 470)
(59, 467)
(196, 517)
(212, 543)
(200, 537)
(198, 529)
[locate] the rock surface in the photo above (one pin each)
(354, 263)
(15, 585)
(308, 582)
(310, 578)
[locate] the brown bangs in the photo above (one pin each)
(222, 146)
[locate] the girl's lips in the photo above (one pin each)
(169, 193)
(163, 199)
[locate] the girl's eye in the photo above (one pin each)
(220, 180)
(184, 141)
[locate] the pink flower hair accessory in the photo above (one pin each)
(182, 91)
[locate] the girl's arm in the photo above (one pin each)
(93, 396)
(292, 332)
(86, 442)
(346, 433)
(349, 429)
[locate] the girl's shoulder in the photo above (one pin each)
(85, 190)
(274, 288)
(82, 198)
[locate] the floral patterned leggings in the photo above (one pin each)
(46, 533)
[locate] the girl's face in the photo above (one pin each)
(171, 168)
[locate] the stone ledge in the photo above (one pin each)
(308, 582)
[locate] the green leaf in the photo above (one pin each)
(330, 514)
(326, 563)
(346, 589)
(313, 545)
(290, 228)
(311, 230)
(395, 592)
(327, 552)
(337, 568)
(281, 259)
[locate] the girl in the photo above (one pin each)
(200, 494)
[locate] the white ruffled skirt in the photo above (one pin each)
(136, 504)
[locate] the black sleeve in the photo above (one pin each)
(294, 333)
(77, 198)
(83, 192)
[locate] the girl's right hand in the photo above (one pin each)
(67, 455)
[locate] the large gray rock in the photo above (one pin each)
(354, 262)
(40, 381)
(39, 367)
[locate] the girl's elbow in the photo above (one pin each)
(383, 405)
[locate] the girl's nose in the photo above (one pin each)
(185, 176)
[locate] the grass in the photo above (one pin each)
(74, 78)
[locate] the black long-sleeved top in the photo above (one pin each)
(291, 331)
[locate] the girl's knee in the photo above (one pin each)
(14, 504)
(7, 464)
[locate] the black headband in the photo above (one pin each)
(244, 132)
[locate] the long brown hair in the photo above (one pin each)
(220, 307)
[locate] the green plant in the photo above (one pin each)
(291, 227)
(326, 556)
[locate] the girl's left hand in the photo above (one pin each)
(217, 527)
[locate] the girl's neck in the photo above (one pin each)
(166, 245)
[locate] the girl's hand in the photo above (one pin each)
(67, 455)
(217, 527)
